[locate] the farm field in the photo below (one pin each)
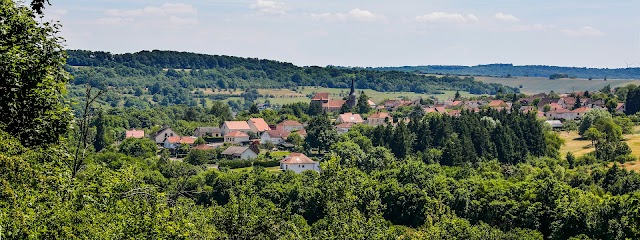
(288, 96)
(531, 85)
(577, 146)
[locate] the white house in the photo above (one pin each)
(298, 163)
(379, 118)
(343, 127)
(274, 136)
(231, 126)
(162, 134)
(207, 132)
(236, 137)
(289, 126)
(243, 153)
(349, 118)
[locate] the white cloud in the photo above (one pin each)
(163, 10)
(530, 28)
(586, 31)
(446, 17)
(171, 13)
(355, 14)
(506, 17)
(182, 21)
(114, 21)
(271, 7)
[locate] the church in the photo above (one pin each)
(330, 105)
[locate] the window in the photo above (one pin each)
(302, 166)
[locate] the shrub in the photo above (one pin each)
(231, 164)
(273, 163)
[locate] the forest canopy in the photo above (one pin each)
(225, 72)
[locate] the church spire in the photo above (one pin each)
(353, 87)
(351, 100)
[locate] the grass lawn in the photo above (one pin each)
(532, 85)
(576, 146)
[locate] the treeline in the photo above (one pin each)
(190, 70)
(503, 70)
(510, 138)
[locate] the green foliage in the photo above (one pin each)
(139, 147)
(225, 72)
(231, 164)
(590, 118)
(320, 133)
(200, 157)
(100, 141)
(362, 107)
(32, 60)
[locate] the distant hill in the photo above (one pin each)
(181, 70)
(501, 70)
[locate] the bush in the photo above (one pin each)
(273, 163)
(139, 147)
(231, 164)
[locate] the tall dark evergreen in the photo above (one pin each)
(363, 106)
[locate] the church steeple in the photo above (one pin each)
(353, 88)
(352, 99)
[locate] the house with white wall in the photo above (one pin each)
(298, 162)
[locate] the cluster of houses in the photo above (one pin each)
(245, 136)
(237, 134)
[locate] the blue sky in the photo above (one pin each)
(584, 33)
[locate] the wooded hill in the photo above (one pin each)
(191, 70)
(500, 70)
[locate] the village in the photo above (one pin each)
(253, 138)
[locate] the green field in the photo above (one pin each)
(337, 93)
(531, 85)
(580, 147)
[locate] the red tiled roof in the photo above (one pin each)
(581, 110)
(278, 134)
(350, 117)
(334, 104)
(569, 100)
(380, 115)
(260, 124)
(620, 105)
(182, 140)
(297, 158)
(175, 139)
(321, 96)
(237, 125)
(203, 147)
(496, 103)
(134, 133)
(302, 132)
(289, 123)
(236, 134)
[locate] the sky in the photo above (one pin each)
(364, 33)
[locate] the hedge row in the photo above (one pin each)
(247, 163)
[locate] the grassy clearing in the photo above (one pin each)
(539, 84)
(577, 146)
(285, 96)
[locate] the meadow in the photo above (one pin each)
(286, 96)
(580, 147)
(532, 85)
